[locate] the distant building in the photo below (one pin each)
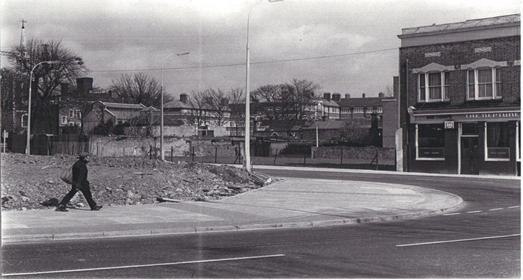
(460, 105)
(74, 104)
(104, 112)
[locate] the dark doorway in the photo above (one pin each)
(469, 155)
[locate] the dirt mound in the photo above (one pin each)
(28, 181)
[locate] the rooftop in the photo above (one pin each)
(474, 23)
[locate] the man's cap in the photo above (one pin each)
(83, 154)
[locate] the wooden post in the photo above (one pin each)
(341, 156)
(275, 155)
(172, 152)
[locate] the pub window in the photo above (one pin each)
(484, 83)
(497, 138)
(64, 119)
(434, 87)
(71, 113)
(430, 142)
(78, 114)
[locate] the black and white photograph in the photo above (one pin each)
(260, 139)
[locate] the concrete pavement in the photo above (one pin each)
(288, 203)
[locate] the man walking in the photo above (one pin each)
(80, 183)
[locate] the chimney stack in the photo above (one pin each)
(336, 97)
(347, 95)
(183, 98)
(327, 96)
(363, 95)
(381, 94)
(84, 85)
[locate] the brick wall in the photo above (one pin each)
(457, 54)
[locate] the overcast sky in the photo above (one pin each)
(345, 46)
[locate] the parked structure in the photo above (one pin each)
(460, 103)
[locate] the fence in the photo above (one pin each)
(333, 157)
(43, 144)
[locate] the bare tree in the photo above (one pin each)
(139, 88)
(218, 104)
(288, 101)
(236, 98)
(47, 77)
(198, 101)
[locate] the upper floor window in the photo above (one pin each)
(434, 87)
(484, 83)
(484, 79)
(64, 119)
(71, 113)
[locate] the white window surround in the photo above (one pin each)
(433, 67)
(64, 119)
(486, 149)
(22, 123)
(481, 65)
(428, 69)
(417, 151)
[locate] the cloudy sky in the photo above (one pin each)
(345, 46)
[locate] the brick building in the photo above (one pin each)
(459, 98)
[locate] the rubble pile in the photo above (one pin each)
(30, 182)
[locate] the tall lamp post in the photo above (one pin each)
(28, 142)
(162, 155)
(247, 161)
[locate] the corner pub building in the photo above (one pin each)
(460, 105)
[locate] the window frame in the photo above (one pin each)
(487, 158)
(518, 139)
(424, 86)
(418, 146)
(495, 83)
(26, 116)
(64, 120)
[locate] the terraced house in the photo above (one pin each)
(460, 105)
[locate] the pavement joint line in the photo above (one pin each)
(452, 214)
(472, 212)
(143, 265)
(511, 207)
(459, 240)
(495, 209)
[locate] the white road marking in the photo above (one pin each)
(513, 207)
(495, 209)
(471, 212)
(459, 240)
(143, 265)
(451, 214)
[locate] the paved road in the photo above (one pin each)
(481, 240)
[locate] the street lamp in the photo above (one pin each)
(162, 155)
(247, 162)
(28, 143)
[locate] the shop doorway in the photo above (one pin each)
(469, 155)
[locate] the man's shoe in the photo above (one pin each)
(61, 209)
(96, 208)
